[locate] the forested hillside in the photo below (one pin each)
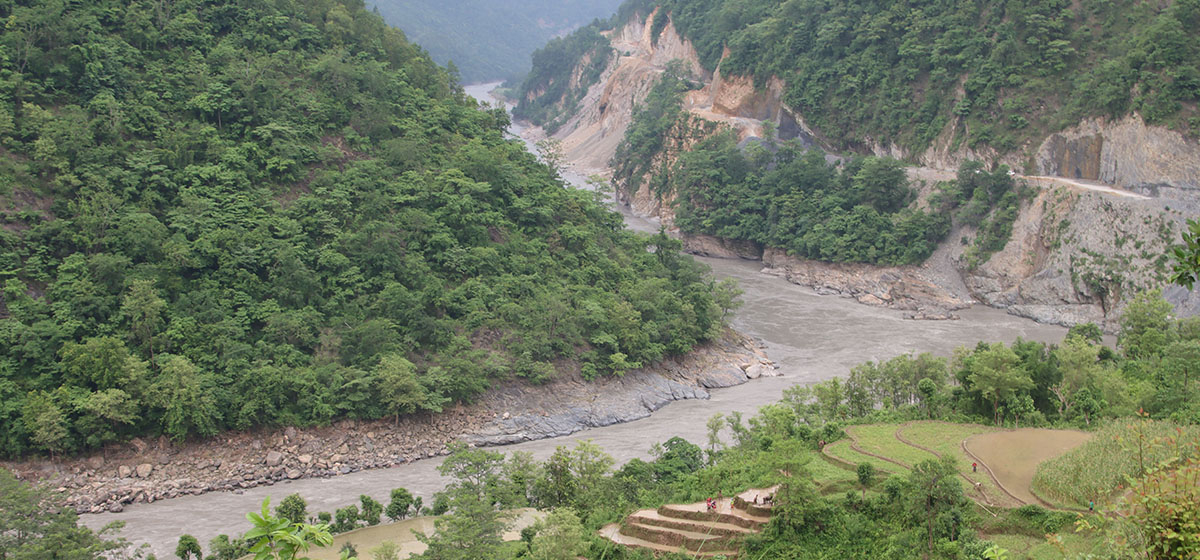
(999, 72)
(489, 39)
(222, 215)
(984, 74)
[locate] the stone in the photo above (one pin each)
(335, 458)
(274, 458)
(124, 471)
(116, 508)
(304, 459)
(293, 474)
(95, 461)
(144, 470)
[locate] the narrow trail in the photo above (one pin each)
(974, 484)
(1044, 181)
(989, 471)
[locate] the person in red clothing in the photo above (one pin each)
(974, 467)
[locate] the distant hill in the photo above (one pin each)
(489, 39)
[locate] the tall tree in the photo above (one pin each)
(34, 525)
(935, 490)
(185, 395)
(995, 372)
(472, 527)
(1146, 325)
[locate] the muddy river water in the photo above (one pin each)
(811, 337)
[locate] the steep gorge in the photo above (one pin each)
(1110, 196)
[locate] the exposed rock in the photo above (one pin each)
(712, 246)
(144, 470)
(124, 471)
(274, 458)
(95, 462)
(1126, 153)
(613, 400)
(761, 370)
(304, 459)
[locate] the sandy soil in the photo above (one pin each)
(1013, 456)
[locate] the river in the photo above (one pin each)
(811, 337)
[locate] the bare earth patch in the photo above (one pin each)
(1013, 456)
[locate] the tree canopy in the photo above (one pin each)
(217, 215)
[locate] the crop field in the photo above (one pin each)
(841, 450)
(1014, 455)
(1096, 470)
(881, 439)
(824, 472)
(1038, 548)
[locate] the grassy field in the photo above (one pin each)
(841, 449)
(881, 439)
(947, 439)
(1039, 548)
(824, 472)
(1095, 470)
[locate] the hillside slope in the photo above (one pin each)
(1078, 249)
(217, 215)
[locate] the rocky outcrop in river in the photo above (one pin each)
(144, 471)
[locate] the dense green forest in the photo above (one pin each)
(489, 40)
(781, 195)
(221, 215)
(1001, 72)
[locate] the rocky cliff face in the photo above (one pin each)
(1127, 153)
(1079, 249)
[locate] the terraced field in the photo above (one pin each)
(1005, 468)
(694, 529)
(945, 439)
(843, 454)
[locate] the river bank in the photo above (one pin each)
(514, 411)
(811, 337)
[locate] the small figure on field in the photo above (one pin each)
(974, 467)
(1091, 506)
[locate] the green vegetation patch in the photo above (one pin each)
(1100, 469)
(998, 75)
(881, 440)
(258, 214)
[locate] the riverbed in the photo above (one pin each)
(810, 337)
